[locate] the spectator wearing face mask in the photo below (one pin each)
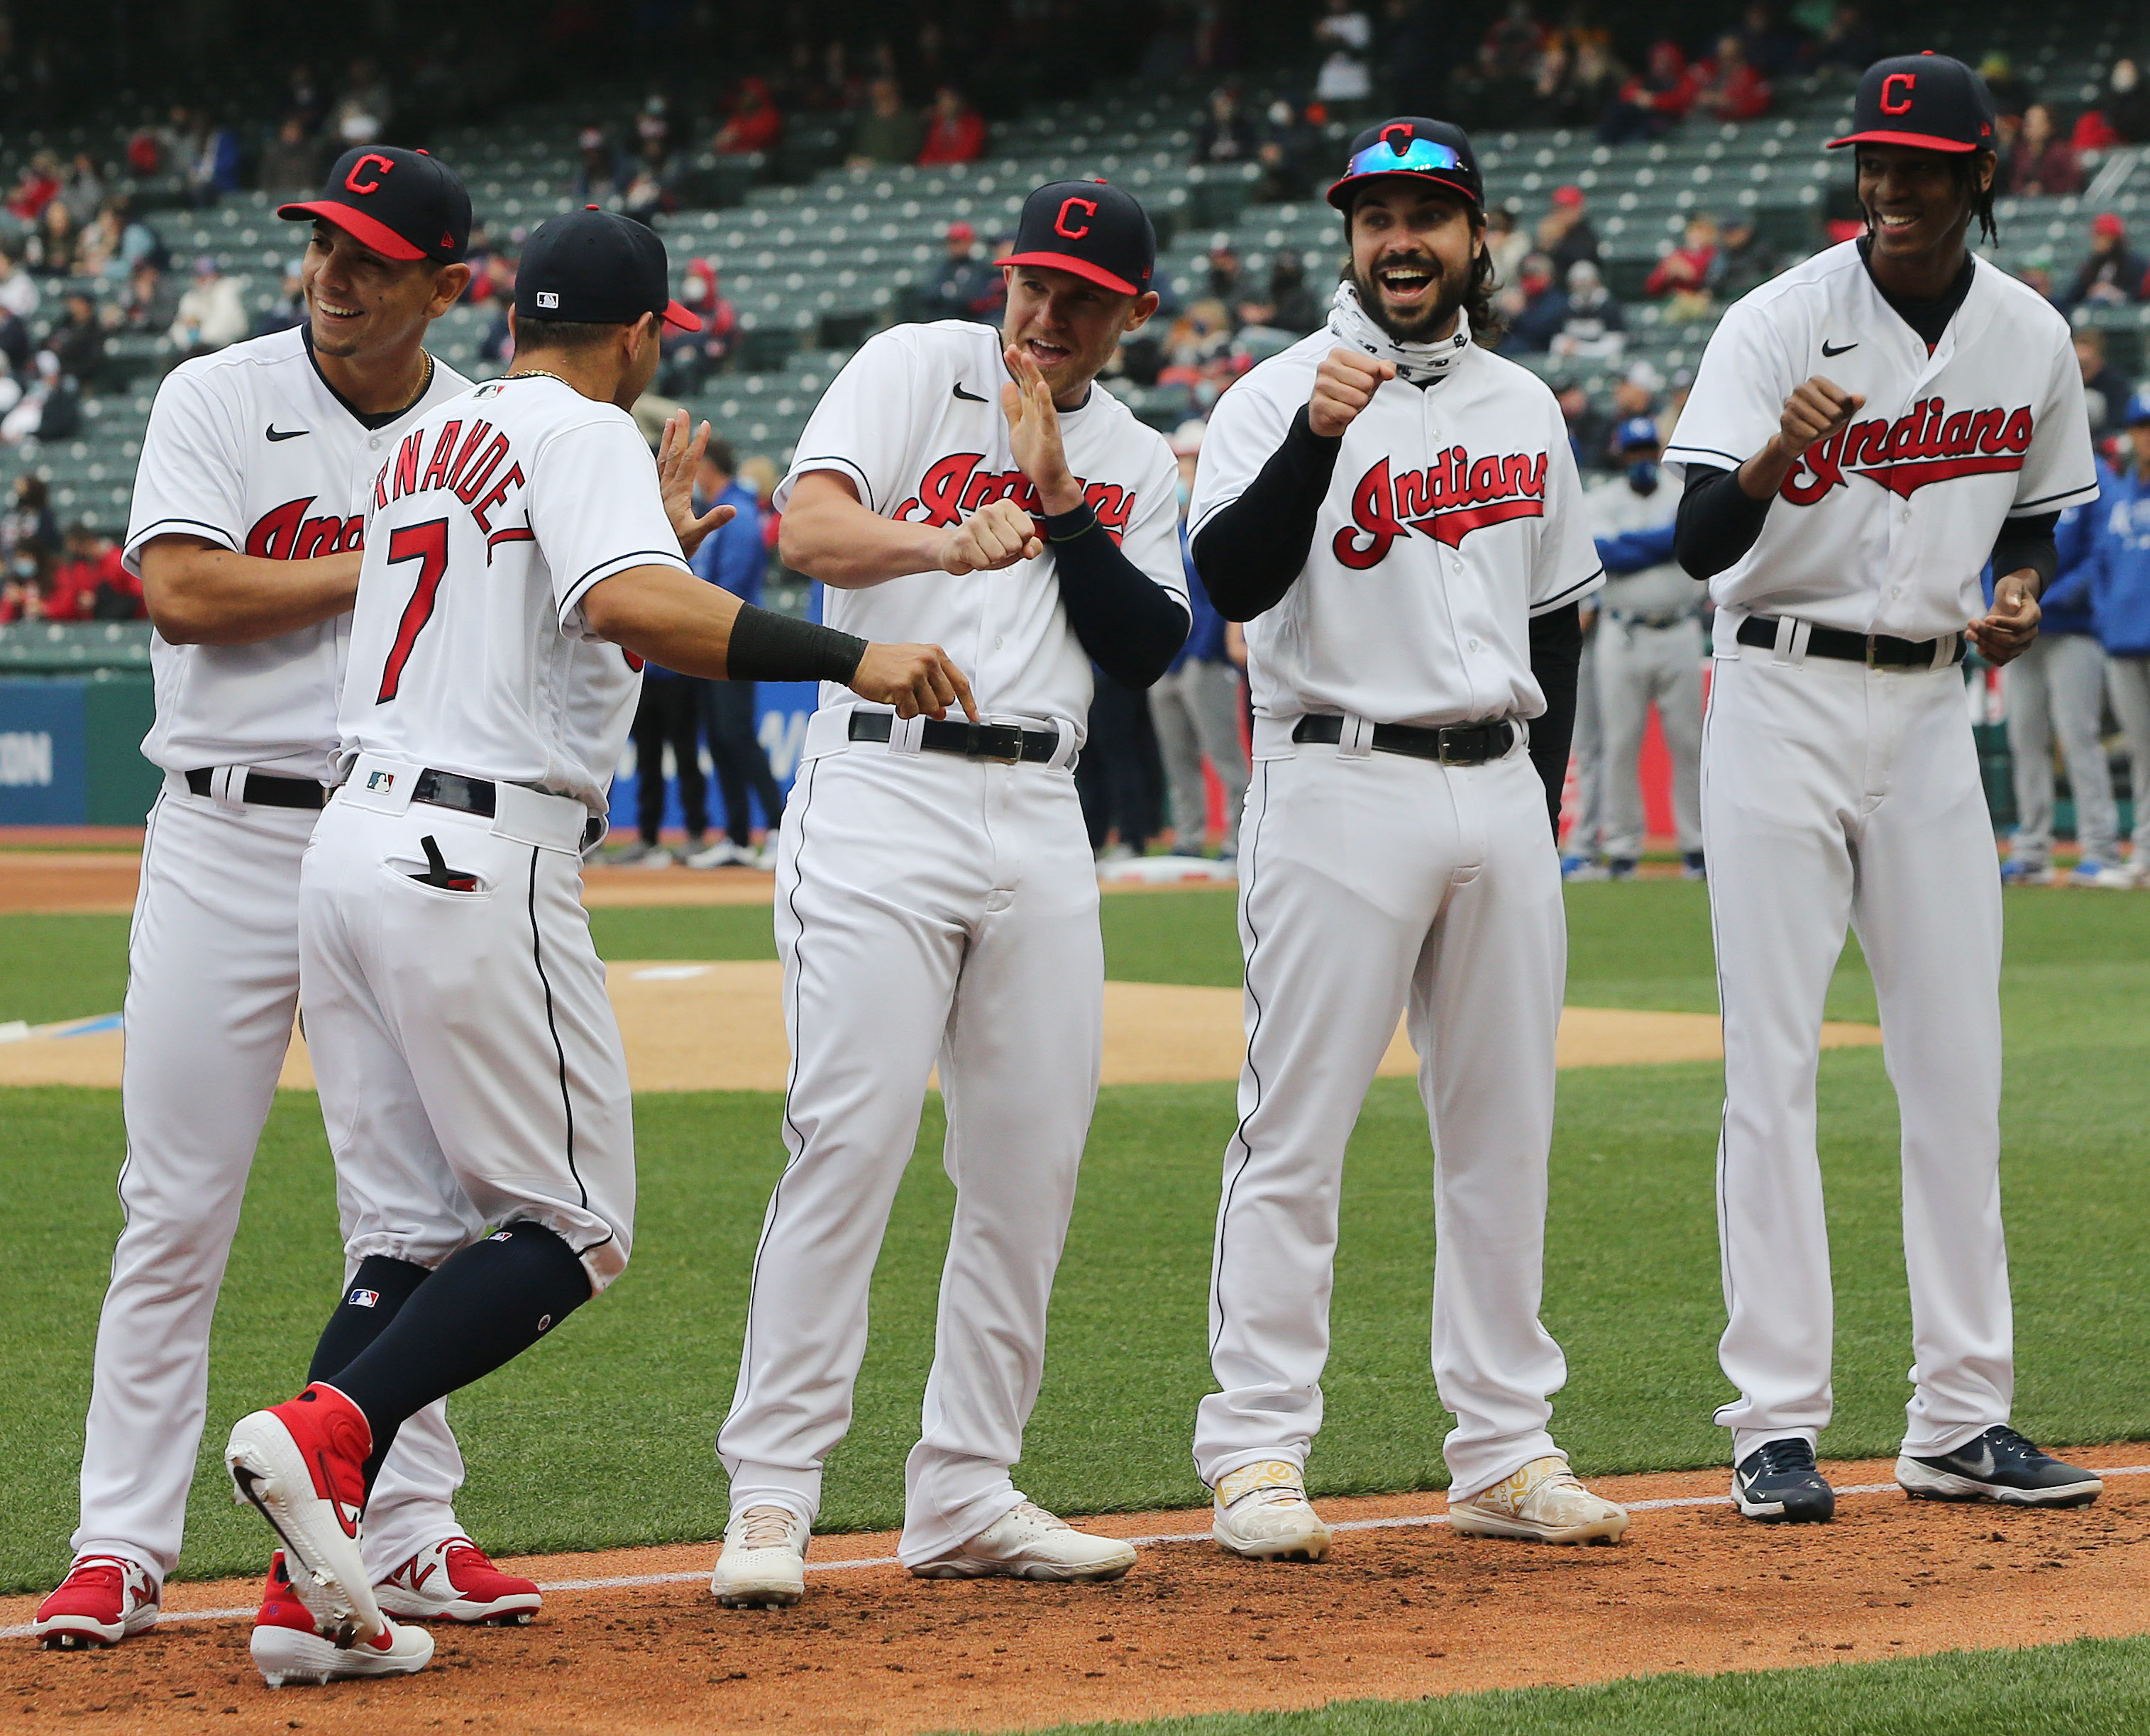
(2112, 273)
(211, 315)
(1537, 307)
(1593, 328)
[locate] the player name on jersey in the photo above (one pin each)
(462, 464)
(956, 487)
(1928, 443)
(1447, 501)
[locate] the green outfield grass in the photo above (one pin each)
(2089, 1687)
(602, 1434)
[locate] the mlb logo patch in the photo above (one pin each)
(548, 298)
(381, 780)
(365, 1298)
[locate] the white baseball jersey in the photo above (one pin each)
(487, 523)
(1883, 528)
(1453, 517)
(914, 421)
(250, 449)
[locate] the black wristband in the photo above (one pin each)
(1066, 527)
(765, 646)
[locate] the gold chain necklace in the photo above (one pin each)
(536, 373)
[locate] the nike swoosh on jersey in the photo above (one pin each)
(276, 433)
(968, 397)
(1839, 349)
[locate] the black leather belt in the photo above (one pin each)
(262, 790)
(1451, 743)
(1007, 743)
(1876, 650)
(451, 790)
(475, 796)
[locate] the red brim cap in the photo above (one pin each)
(1082, 268)
(1916, 141)
(678, 316)
(369, 231)
(1350, 181)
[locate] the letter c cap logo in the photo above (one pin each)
(1889, 104)
(358, 169)
(1088, 207)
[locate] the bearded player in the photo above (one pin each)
(1395, 512)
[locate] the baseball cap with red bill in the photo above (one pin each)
(402, 204)
(1090, 228)
(597, 268)
(1927, 101)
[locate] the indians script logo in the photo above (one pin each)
(1454, 496)
(1926, 444)
(286, 533)
(956, 485)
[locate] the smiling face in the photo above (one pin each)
(1068, 325)
(1917, 209)
(362, 303)
(1414, 248)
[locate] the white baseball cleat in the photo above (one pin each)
(763, 1565)
(1541, 1503)
(1261, 1513)
(286, 1649)
(1027, 1542)
(302, 1465)
(453, 1580)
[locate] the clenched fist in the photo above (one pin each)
(1816, 409)
(912, 678)
(1343, 385)
(997, 535)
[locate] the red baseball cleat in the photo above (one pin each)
(103, 1599)
(286, 1648)
(450, 1580)
(302, 1465)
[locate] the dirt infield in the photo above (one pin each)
(707, 1026)
(1400, 1610)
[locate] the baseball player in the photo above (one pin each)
(935, 897)
(1865, 430)
(2056, 687)
(248, 519)
(2120, 605)
(1649, 649)
(521, 560)
(1395, 511)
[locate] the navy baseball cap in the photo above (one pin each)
(402, 203)
(1090, 228)
(1926, 100)
(1636, 433)
(2138, 409)
(596, 267)
(1430, 150)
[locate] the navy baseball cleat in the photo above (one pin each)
(1999, 1466)
(1778, 1484)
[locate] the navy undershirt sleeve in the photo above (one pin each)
(1130, 625)
(1556, 659)
(1249, 554)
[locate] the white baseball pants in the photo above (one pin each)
(470, 1066)
(2057, 688)
(1635, 665)
(1833, 792)
(213, 979)
(1371, 884)
(928, 908)
(1196, 709)
(2127, 679)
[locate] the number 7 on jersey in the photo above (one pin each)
(427, 544)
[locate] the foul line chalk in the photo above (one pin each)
(628, 1581)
